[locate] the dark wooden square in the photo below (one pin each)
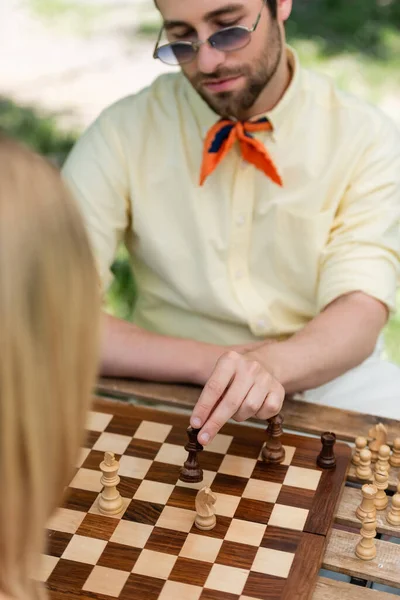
(237, 555)
(210, 461)
(139, 511)
(219, 530)
(141, 587)
(217, 595)
(228, 484)
(128, 487)
(143, 449)
(96, 526)
(57, 541)
(298, 497)
(122, 426)
(254, 510)
(192, 572)
(166, 541)
(268, 472)
(76, 499)
(177, 436)
(305, 457)
(91, 438)
(183, 497)
(119, 556)
(277, 538)
(245, 447)
(69, 575)
(93, 460)
(163, 473)
(264, 587)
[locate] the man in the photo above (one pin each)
(261, 209)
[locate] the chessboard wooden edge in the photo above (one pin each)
(329, 492)
(329, 589)
(306, 565)
(299, 415)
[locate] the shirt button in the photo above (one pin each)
(261, 324)
(239, 274)
(240, 221)
(244, 164)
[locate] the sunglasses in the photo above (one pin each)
(228, 39)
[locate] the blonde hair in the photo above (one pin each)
(49, 315)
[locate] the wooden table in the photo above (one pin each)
(312, 419)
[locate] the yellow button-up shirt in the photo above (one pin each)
(240, 258)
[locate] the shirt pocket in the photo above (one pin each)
(300, 240)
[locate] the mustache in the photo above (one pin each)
(218, 75)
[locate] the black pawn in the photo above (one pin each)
(191, 471)
(326, 458)
(273, 451)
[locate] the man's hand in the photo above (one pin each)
(239, 388)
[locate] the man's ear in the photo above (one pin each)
(284, 9)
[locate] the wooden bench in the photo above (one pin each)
(312, 419)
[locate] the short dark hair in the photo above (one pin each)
(273, 7)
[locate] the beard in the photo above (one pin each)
(258, 76)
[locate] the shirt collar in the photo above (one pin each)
(283, 110)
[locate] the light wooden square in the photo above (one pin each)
(94, 509)
(103, 580)
(289, 453)
(131, 466)
(177, 519)
(87, 479)
(273, 562)
(288, 517)
(299, 477)
(84, 549)
(245, 532)
(226, 504)
(152, 432)
(247, 598)
(83, 454)
(201, 547)
(97, 421)
(153, 491)
(171, 454)
(154, 564)
(220, 444)
(131, 534)
(208, 478)
(47, 564)
(265, 491)
(112, 442)
(66, 520)
(174, 590)
(237, 465)
(227, 579)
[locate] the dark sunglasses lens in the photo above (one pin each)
(176, 53)
(230, 39)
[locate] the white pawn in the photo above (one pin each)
(383, 458)
(381, 482)
(393, 516)
(395, 458)
(361, 443)
(363, 469)
(367, 505)
(366, 549)
(110, 501)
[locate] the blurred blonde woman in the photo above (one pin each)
(49, 309)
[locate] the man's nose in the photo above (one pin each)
(209, 59)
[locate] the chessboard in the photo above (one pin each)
(272, 520)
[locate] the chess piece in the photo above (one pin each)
(382, 463)
(378, 433)
(363, 469)
(205, 517)
(191, 471)
(361, 443)
(273, 451)
(393, 516)
(326, 458)
(381, 482)
(110, 501)
(366, 549)
(367, 505)
(394, 460)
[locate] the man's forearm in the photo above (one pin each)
(338, 339)
(129, 351)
